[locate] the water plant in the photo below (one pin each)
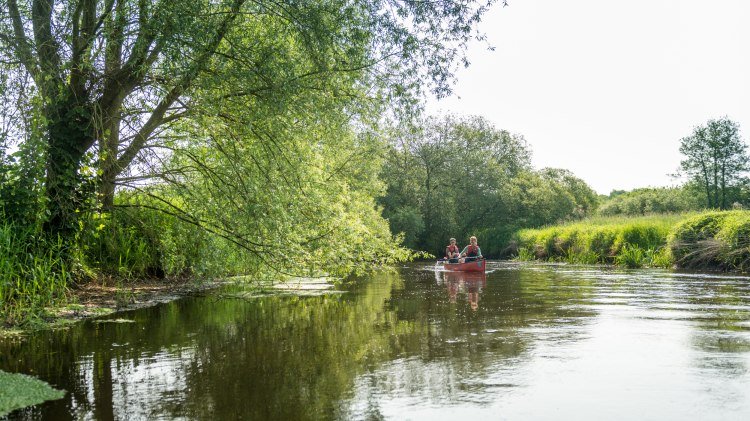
(525, 254)
(34, 274)
(19, 391)
(630, 256)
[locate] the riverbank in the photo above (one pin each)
(108, 296)
(714, 240)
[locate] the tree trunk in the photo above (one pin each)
(108, 160)
(708, 187)
(69, 134)
(723, 187)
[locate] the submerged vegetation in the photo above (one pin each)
(718, 240)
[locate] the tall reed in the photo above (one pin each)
(708, 240)
(714, 240)
(597, 240)
(33, 274)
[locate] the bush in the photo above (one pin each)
(651, 201)
(693, 242)
(713, 240)
(138, 242)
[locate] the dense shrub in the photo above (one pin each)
(651, 200)
(713, 240)
(139, 242)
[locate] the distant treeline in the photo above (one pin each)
(461, 176)
(645, 201)
(457, 177)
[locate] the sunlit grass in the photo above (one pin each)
(708, 240)
(33, 275)
(713, 239)
(601, 240)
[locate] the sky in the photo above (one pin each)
(608, 88)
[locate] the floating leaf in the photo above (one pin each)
(19, 391)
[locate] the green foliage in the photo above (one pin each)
(693, 241)
(19, 391)
(115, 77)
(715, 159)
(549, 196)
(620, 240)
(651, 200)
(457, 177)
(211, 138)
(291, 193)
(34, 274)
(718, 240)
(21, 181)
(660, 258)
(630, 257)
(525, 254)
(734, 236)
(452, 172)
(708, 240)
(136, 242)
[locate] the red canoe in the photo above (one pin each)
(475, 266)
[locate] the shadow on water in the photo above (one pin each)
(416, 343)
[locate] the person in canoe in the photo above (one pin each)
(472, 251)
(452, 252)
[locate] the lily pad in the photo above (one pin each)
(19, 391)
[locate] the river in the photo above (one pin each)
(523, 342)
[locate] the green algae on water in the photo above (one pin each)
(19, 391)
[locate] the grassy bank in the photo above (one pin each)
(33, 274)
(708, 240)
(37, 274)
(137, 248)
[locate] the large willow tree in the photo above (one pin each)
(112, 88)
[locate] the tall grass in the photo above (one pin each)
(707, 240)
(36, 273)
(713, 239)
(136, 243)
(33, 274)
(600, 240)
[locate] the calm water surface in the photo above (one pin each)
(524, 342)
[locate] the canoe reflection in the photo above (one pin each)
(470, 283)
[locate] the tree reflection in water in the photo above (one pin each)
(407, 344)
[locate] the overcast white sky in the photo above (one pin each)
(607, 88)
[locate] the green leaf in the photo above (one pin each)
(19, 391)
